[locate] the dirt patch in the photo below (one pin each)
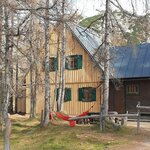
(140, 141)
(18, 117)
(143, 125)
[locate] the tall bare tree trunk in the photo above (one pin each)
(107, 58)
(47, 78)
(33, 68)
(17, 82)
(62, 61)
(56, 74)
(147, 19)
(7, 123)
(1, 93)
(1, 67)
(32, 87)
(35, 89)
(35, 81)
(36, 75)
(17, 76)
(11, 65)
(32, 76)
(33, 84)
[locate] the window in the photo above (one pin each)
(67, 96)
(132, 89)
(73, 62)
(87, 94)
(53, 64)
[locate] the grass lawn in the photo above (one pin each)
(28, 135)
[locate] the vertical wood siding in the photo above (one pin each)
(88, 76)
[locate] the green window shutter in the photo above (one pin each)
(57, 94)
(79, 61)
(53, 66)
(56, 63)
(94, 94)
(80, 94)
(67, 63)
(67, 94)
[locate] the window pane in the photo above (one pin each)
(67, 94)
(53, 64)
(132, 89)
(87, 94)
(80, 94)
(74, 62)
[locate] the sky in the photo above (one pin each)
(91, 7)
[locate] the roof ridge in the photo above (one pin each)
(85, 29)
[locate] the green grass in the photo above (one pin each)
(28, 135)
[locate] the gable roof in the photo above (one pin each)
(132, 62)
(88, 40)
(127, 61)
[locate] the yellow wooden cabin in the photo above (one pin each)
(83, 73)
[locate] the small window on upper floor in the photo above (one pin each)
(132, 89)
(73, 62)
(53, 64)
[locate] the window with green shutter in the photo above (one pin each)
(80, 94)
(79, 61)
(74, 62)
(87, 94)
(53, 63)
(67, 96)
(93, 94)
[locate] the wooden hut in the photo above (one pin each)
(132, 68)
(83, 73)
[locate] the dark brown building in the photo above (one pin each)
(132, 67)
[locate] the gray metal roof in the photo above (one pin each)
(89, 40)
(126, 61)
(132, 61)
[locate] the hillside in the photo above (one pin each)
(135, 29)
